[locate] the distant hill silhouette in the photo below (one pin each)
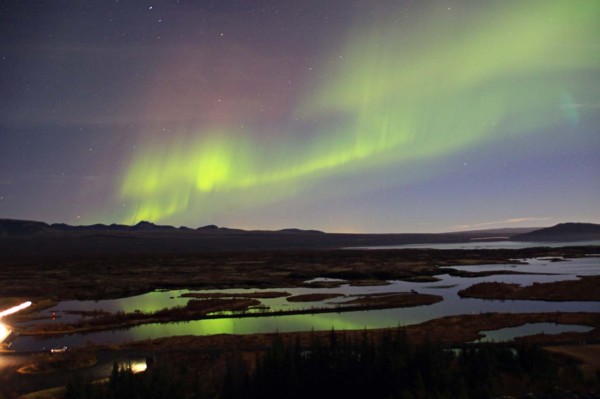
(30, 239)
(301, 231)
(563, 232)
(143, 225)
(20, 228)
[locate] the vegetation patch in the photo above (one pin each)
(584, 289)
(466, 273)
(313, 297)
(442, 286)
(325, 284)
(88, 313)
(368, 283)
(393, 299)
(421, 279)
(256, 294)
(213, 305)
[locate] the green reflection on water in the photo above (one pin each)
(251, 325)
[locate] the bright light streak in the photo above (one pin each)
(15, 309)
(4, 332)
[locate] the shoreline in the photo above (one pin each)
(583, 289)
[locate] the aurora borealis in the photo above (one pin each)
(340, 116)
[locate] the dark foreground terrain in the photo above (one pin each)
(309, 364)
(391, 363)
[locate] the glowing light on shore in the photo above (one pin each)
(15, 309)
(4, 332)
(138, 367)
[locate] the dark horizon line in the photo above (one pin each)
(290, 229)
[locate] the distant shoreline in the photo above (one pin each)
(483, 243)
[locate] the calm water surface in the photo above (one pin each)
(478, 244)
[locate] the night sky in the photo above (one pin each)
(341, 115)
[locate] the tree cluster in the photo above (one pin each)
(389, 367)
(163, 380)
(386, 366)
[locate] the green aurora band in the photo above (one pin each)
(399, 93)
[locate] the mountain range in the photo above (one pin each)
(22, 238)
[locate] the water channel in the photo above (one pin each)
(487, 244)
(542, 271)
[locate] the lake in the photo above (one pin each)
(545, 270)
